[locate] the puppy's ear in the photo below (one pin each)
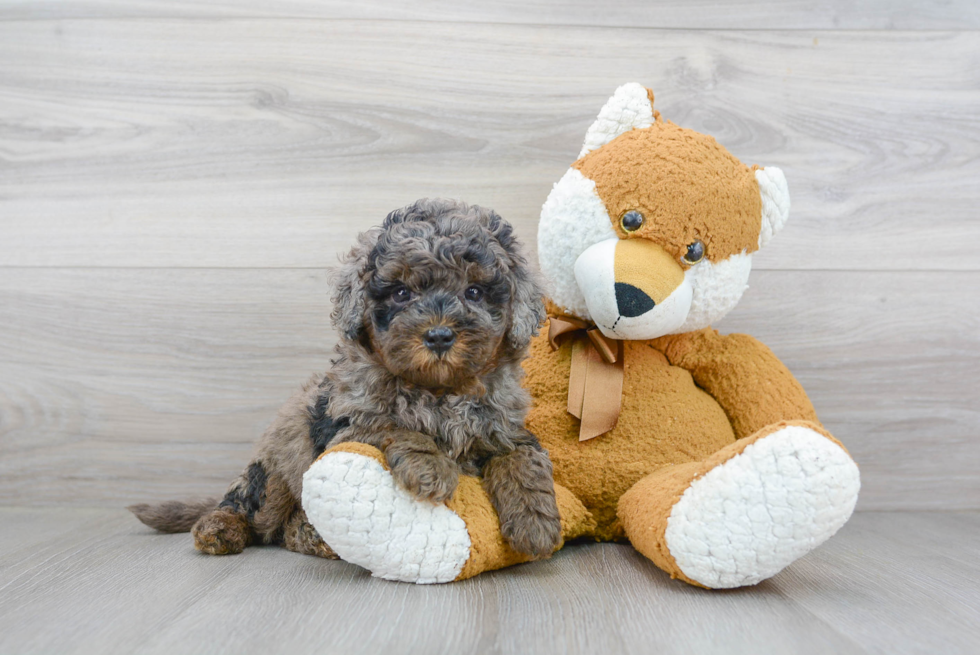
(349, 287)
(527, 305)
(527, 308)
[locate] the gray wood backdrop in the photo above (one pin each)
(176, 176)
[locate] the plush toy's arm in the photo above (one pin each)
(749, 382)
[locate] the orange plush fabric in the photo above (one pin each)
(746, 379)
(668, 415)
(685, 183)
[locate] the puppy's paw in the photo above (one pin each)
(426, 476)
(522, 490)
(221, 532)
(533, 532)
(301, 537)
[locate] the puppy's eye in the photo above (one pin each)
(473, 294)
(401, 294)
(695, 253)
(632, 221)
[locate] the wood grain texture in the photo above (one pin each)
(175, 176)
(99, 582)
(895, 558)
(125, 385)
(691, 14)
(270, 143)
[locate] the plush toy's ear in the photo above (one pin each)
(775, 202)
(349, 287)
(631, 106)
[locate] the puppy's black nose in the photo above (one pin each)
(632, 301)
(439, 339)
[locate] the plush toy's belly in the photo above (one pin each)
(666, 419)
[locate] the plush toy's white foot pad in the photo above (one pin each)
(355, 506)
(747, 519)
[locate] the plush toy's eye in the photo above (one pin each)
(695, 253)
(401, 294)
(632, 220)
(473, 294)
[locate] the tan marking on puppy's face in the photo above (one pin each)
(686, 186)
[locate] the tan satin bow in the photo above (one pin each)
(595, 383)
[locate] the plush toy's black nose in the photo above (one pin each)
(439, 339)
(631, 301)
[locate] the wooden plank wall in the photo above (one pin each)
(176, 176)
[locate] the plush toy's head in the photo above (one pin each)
(652, 230)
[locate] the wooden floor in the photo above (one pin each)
(95, 581)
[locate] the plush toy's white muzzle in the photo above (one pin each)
(633, 289)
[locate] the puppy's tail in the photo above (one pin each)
(173, 515)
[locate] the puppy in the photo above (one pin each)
(435, 311)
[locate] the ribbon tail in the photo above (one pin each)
(576, 377)
(595, 389)
(608, 348)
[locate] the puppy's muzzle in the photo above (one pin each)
(439, 339)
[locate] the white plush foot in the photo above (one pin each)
(354, 504)
(747, 519)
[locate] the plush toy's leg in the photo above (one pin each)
(353, 502)
(746, 512)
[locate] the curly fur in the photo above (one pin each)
(435, 414)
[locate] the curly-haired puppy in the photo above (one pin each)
(435, 310)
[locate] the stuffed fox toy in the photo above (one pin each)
(699, 449)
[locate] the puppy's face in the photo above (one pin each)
(443, 294)
(438, 313)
